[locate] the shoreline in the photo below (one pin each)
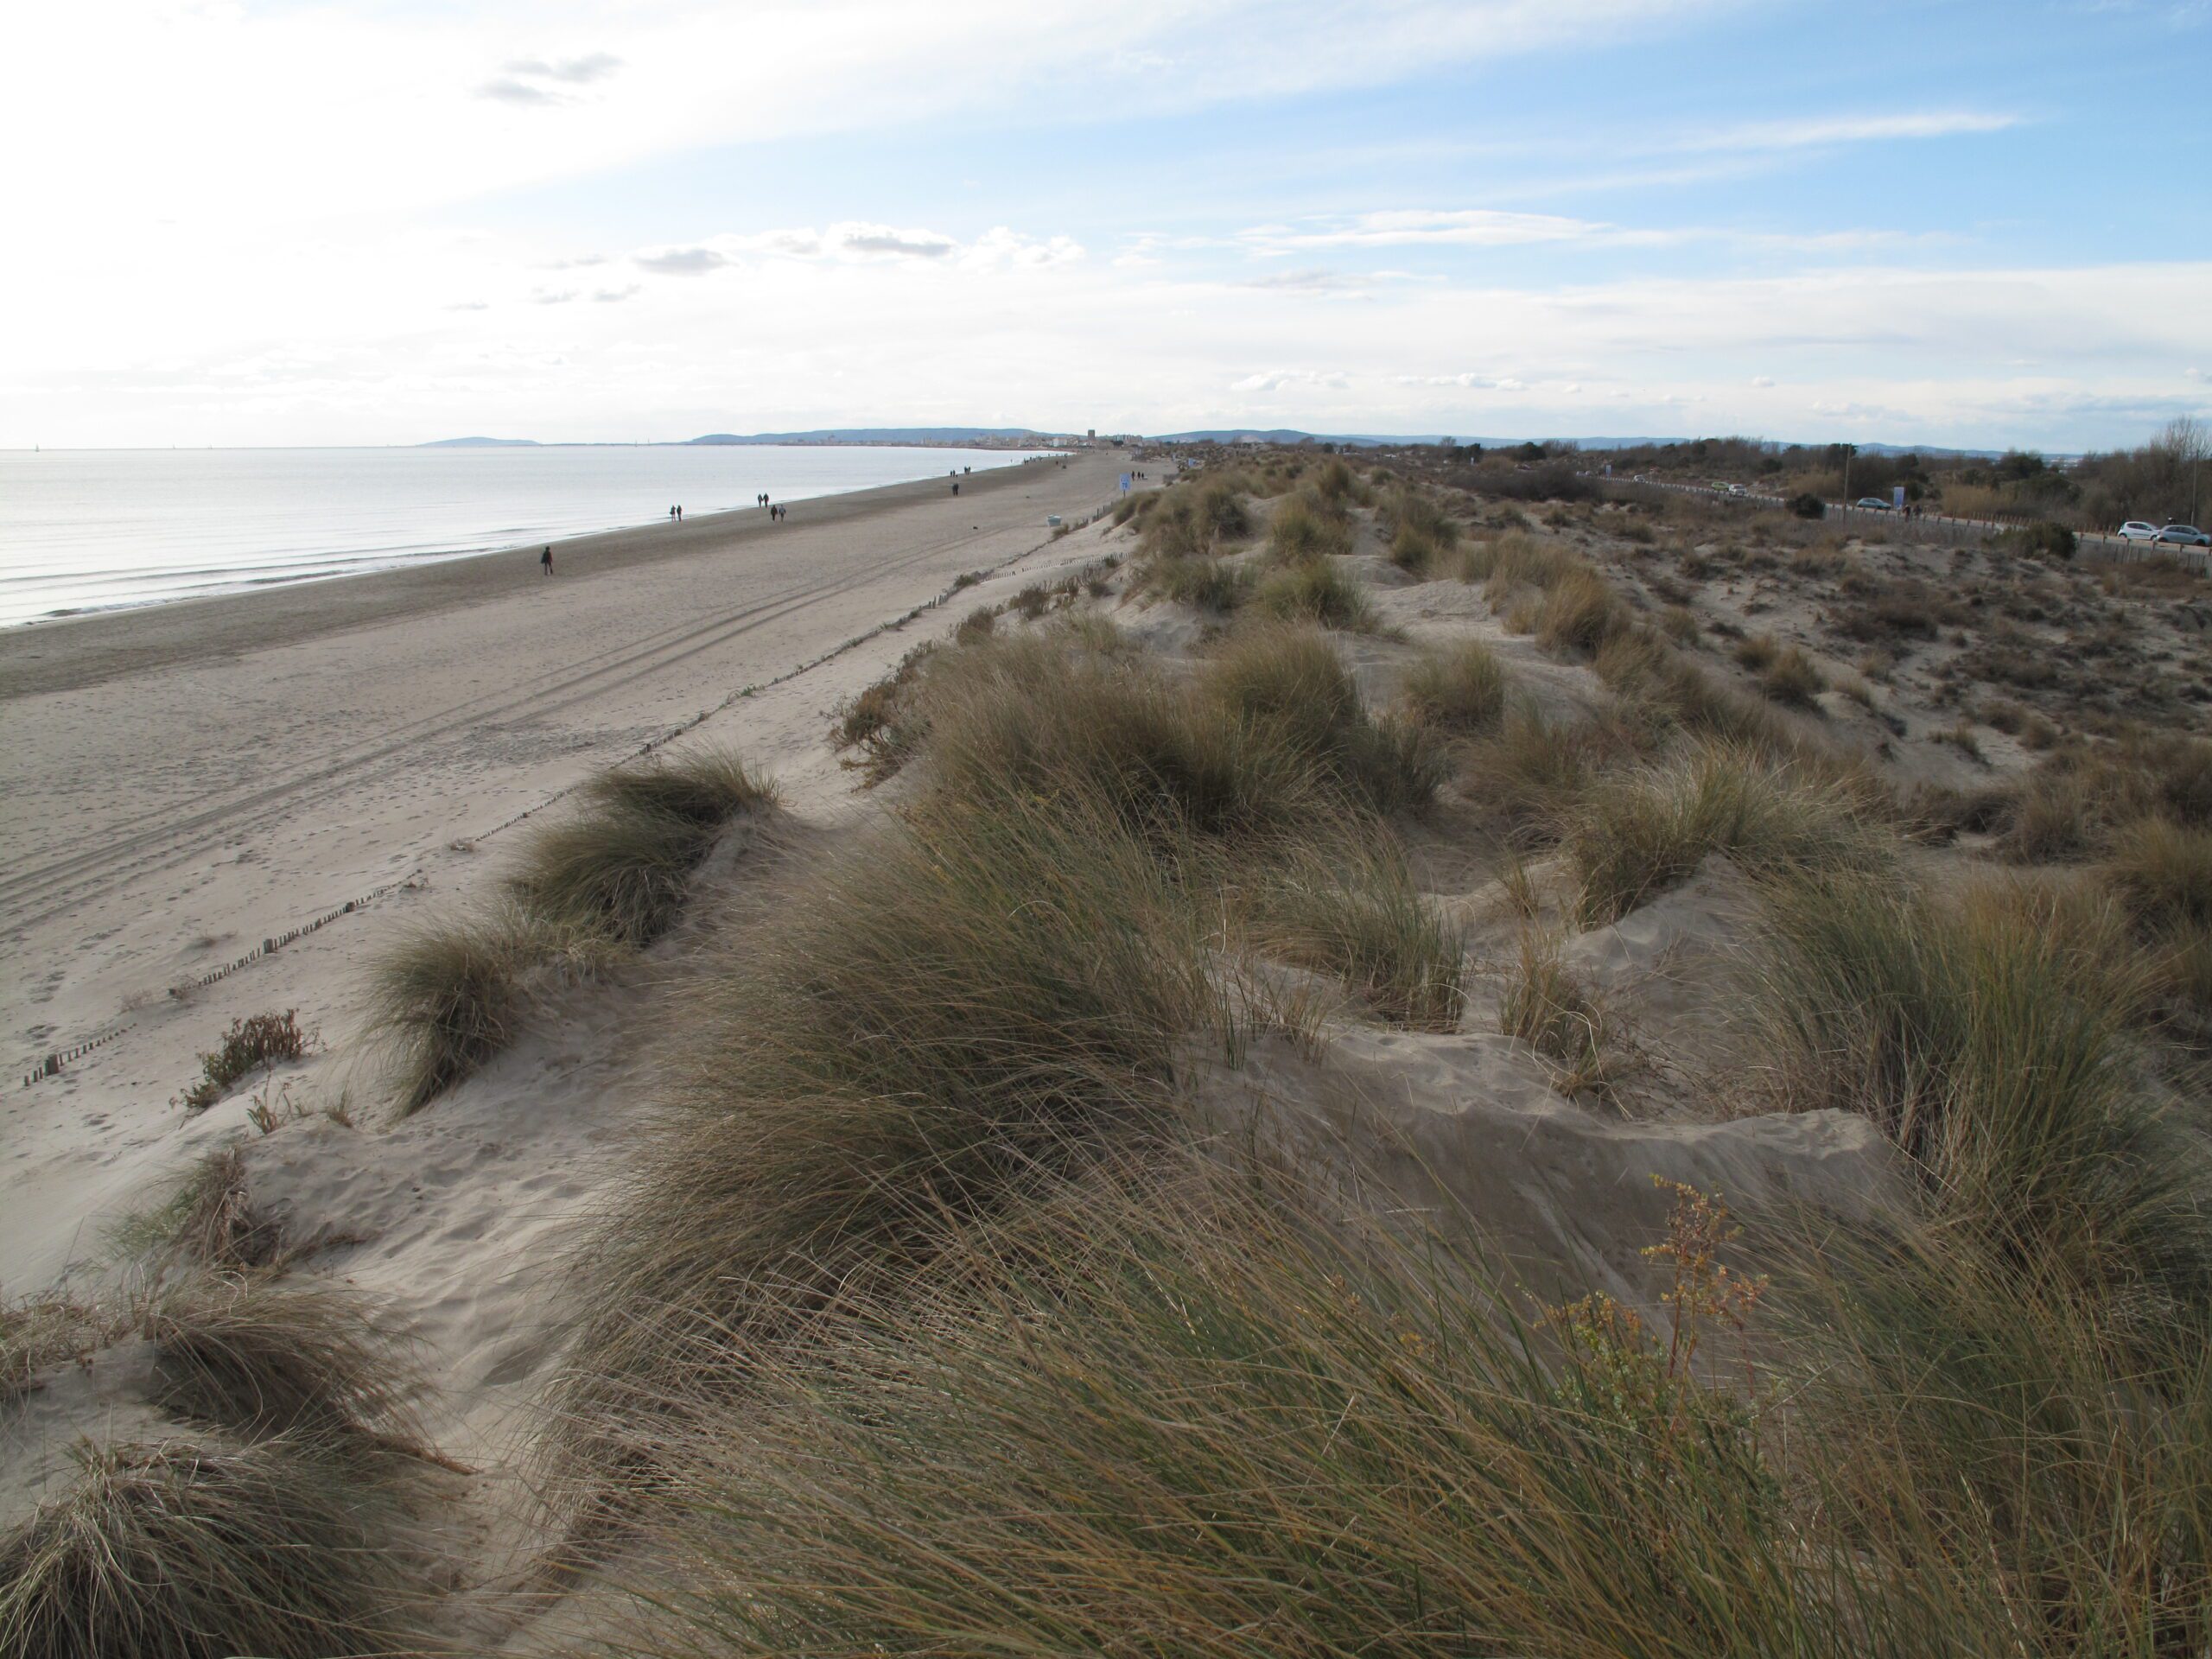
(85, 648)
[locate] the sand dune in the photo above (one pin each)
(184, 782)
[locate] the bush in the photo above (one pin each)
(257, 1041)
(1317, 591)
(1459, 689)
(2044, 539)
(1806, 504)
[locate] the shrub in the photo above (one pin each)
(1351, 910)
(1459, 689)
(1634, 836)
(1317, 591)
(1806, 504)
(978, 625)
(252, 1042)
(192, 1551)
(2044, 539)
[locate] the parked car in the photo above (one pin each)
(2136, 530)
(2184, 535)
(1871, 503)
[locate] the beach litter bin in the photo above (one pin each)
(1051, 521)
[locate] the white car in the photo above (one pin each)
(2136, 530)
(2184, 535)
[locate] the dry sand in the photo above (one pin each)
(180, 783)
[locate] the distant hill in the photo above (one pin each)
(479, 443)
(920, 435)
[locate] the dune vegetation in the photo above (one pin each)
(1041, 1236)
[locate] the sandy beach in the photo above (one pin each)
(185, 781)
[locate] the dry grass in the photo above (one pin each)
(619, 869)
(450, 994)
(1315, 590)
(1200, 580)
(1460, 690)
(1632, 836)
(1306, 528)
(1580, 612)
(195, 1550)
(261, 1357)
(1546, 1006)
(1350, 909)
(973, 1005)
(1985, 1036)
(40, 1332)
(209, 1221)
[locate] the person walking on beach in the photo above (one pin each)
(545, 559)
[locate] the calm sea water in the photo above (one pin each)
(95, 529)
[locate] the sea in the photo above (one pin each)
(95, 530)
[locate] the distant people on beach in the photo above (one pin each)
(545, 560)
(956, 486)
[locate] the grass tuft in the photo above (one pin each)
(191, 1550)
(1460, 690)
(1636, 835)
(1314, 590)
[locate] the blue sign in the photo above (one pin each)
(1125, 483)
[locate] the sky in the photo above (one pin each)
(249, 222)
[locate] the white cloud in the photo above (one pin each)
(1762, 381)
(1281, 379)
(1810, 131)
